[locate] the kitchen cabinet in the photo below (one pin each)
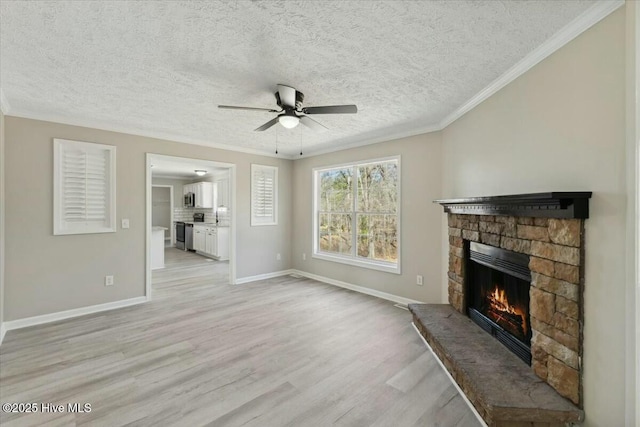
(199, 234)
(222, 190)
(211, 244)
(222, 243)
(212, 241)
(203, 193)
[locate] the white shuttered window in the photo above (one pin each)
(84, 187)
(264, 195)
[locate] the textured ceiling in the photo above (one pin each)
(163, 67)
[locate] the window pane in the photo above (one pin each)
(378, 237)
(378, 187)
(334, 234)
(336, 191)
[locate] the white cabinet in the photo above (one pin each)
(211, 244)
(222, 190)
(203, 192)
(222, 243)
(199, 234)
(212, 241)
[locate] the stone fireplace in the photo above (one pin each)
(516, 270)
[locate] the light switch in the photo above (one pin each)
(125, 223)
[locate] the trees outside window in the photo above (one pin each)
(357, 213)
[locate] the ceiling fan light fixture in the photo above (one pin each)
(289, 121)
(200, 172)
(289, 101)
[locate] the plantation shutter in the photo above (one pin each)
(264, 194)
(84, 187)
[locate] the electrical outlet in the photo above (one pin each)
(419, 280)
(108, 280)
(278, 257)
(125, 223)
(304, 257)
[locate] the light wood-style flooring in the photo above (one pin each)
(278, 352)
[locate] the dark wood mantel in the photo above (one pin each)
(544, 205)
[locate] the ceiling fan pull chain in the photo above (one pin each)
(301, 141)
(276, 140)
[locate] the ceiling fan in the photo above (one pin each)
(292, 112)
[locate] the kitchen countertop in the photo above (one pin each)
(206, 224)
(158, 228)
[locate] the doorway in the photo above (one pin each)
(200, 214)
(162, 210)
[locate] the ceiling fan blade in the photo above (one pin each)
(233, 107)
(267, 125)
(312, 124)
(287, 96)
(331, 109)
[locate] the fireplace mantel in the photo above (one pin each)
(567, 205)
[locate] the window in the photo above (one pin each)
(84, 180)
(264, 195)
(357, 214)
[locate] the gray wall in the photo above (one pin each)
(47, 273)
(561, 127)
(2, 215)
(420, 218)
(177, 185)
(632, 367)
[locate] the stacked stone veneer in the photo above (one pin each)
(555, 247)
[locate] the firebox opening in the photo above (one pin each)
(498, 296)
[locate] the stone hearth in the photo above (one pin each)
(503, 389)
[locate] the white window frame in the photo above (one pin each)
(60, 227)
(352, 259)
(257, 221)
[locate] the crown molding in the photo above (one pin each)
(95, 124)
(4, 104)
(589, 18)
(370, 141)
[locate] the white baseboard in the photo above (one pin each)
(464, 396)
(53, 317)
(61, 315)
(3, 331)
(263, 276)
(357, 288)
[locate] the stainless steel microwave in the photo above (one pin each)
(190, 200)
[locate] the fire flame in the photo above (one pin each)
(499, 302)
